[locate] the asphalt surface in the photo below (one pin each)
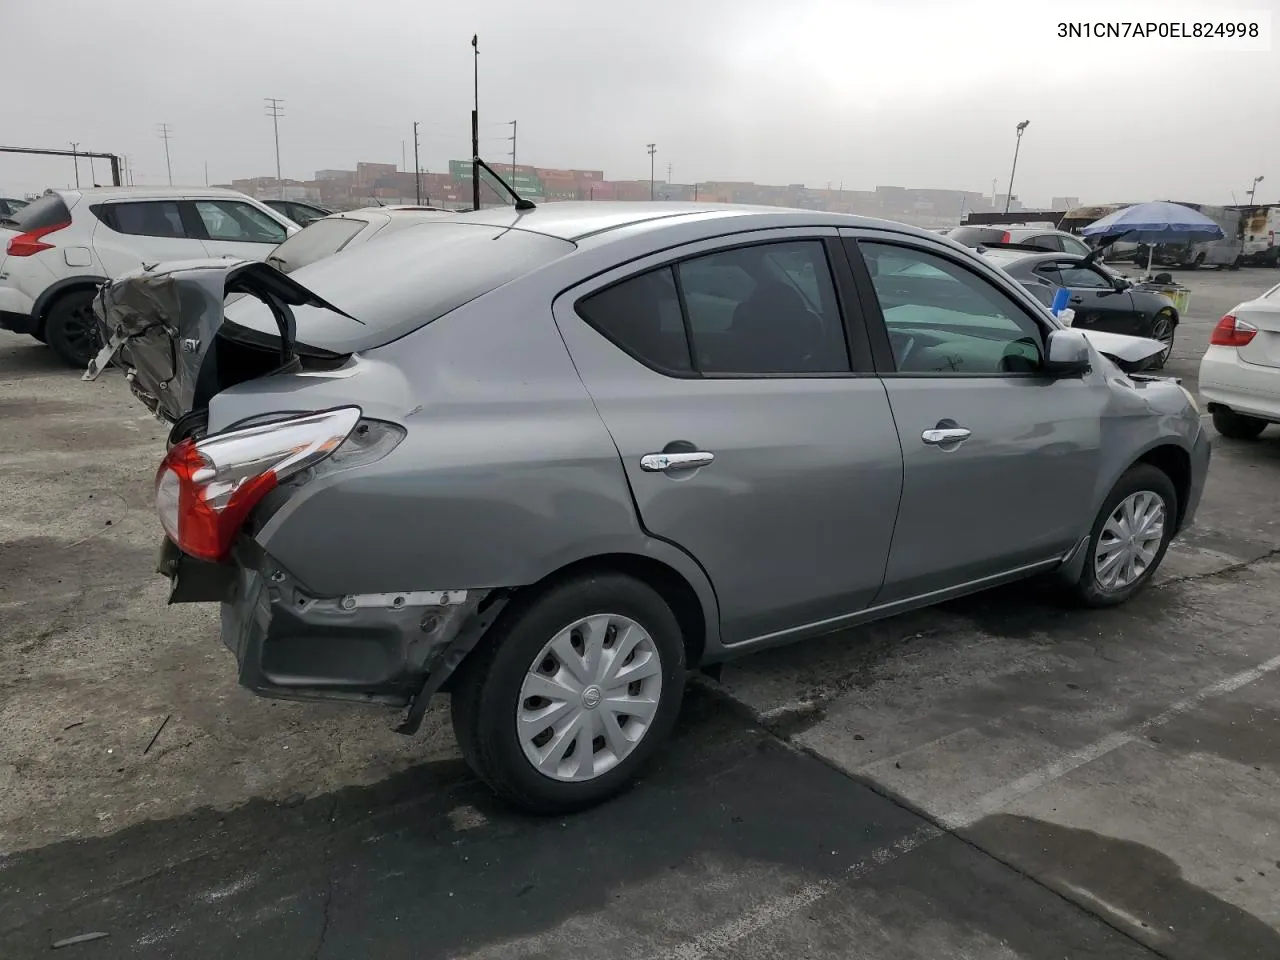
(997, 778)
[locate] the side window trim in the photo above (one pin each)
(192, 220)
(878, 330)
(856, 336)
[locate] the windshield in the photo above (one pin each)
(320, 239)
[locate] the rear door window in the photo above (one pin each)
(148, 218)
(763, 310)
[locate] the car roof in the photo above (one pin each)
(369, 214)
(149, 193)
(576, 220)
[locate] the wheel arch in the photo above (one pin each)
(60, 288)
(694, 610)
(1175, 463)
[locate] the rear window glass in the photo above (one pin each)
(48, 211)
(316, 241)
(397, 285)
(971, 236)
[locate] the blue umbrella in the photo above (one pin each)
(1152, 223)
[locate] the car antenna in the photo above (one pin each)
(521, 202)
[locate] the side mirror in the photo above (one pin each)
(1121, 284)
(1066, 354)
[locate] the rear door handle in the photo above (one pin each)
(944, 435)
(673, 462)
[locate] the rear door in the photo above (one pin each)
(130, 233)
(999, 461)
(751, 429)
(233, 228)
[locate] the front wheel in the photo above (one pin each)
(1237, 426)
(571, 693)
(1129, 538)
(1163, 328)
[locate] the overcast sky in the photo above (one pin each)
(917, 93)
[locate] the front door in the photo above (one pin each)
(237, 229)
(1098, 305)
(749, 436)
(1000, 462)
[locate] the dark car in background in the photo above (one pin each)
(1045, 238)
(1102, 300)
(297, 211)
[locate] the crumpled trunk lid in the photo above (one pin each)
(161, 325)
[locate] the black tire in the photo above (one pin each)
(487, 689)
(1163, 328)
(1235, 264)
(1139, 478)
(71, 329)
(1237, 426)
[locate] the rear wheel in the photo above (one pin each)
(571, 693)
(1237, 426)
(1129, 538)
(71, 329)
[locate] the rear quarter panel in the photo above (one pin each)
(506, 473)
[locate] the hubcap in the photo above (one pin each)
(1130, 540)
(589, 697)
(1162, 330)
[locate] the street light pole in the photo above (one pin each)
(75, 158)
(653, 148)
(1008, 197)
(1254, 188)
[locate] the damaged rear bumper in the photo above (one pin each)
(393, 649)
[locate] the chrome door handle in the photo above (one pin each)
(945, 435)
(669, 462)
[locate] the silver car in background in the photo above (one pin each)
(595, 446)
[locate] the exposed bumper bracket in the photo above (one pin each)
(447, 659)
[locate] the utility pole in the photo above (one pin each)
(75, 158)
(668, 173)
(275, 111)
(417, 170)
(206, 173)
(475, 123)
(653, 148)
(93, 176)
(165, 134)
(512, 138)
(404, 162)
(994, 181)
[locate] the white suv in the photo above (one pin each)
(55, 252)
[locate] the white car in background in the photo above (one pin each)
(1240, 372)
(340, 231)
(55, 252)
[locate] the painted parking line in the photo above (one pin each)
(723, 938)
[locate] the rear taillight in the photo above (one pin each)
(206, 489)
(29, 243)
(1231, 332)
(1006, 237)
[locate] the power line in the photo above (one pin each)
(275, 111)
(165, 134)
